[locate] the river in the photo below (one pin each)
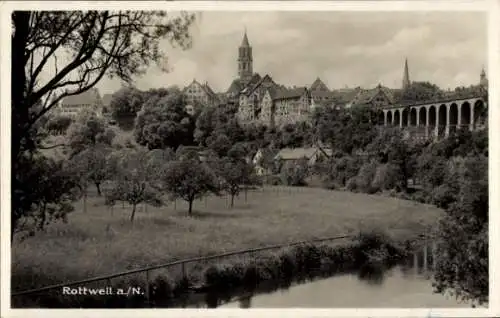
(404, 286)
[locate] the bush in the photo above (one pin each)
(387, 176)
(365, 177)
(443, 196)
(421, 196)
(352, 184)
(339, 170)
(295, 173)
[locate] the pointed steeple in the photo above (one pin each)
(406, 75)
(483, 80)
(245, 60)
(245, 43)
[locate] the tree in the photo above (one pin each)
(221, 144)
(163, 122)
(390, 147)
(94, 44)
(50, 197)
(59, 124)
(137, 179)
(345, 129)
(232, 173)
(295, 173)
(420, 92)
(463, 237)
(124, 105)
(88, 131)
(213, 118)
(79, 167)
(98, 170)
(190, 179)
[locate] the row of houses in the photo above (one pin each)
(265, 160)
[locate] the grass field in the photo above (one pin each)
(103, 240)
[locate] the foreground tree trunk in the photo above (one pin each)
(20, 113)
(232, 200)
(134, 205)
(98, 187)
(190, 210)
(85, 202)
(43, 217)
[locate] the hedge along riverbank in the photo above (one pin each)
(271, 270)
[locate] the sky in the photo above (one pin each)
(344, 49)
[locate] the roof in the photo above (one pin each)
(323, 94)
(209, 90)
(367, 96)
(206, 88)
(290, 93)
(106, 99)
(296, 153)
(346, 95)
(88, 97)
(267, 153)
(236, 85)
(318, 85)
(245, 43)
(251, 88)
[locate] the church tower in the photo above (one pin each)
(245, 61)
(483, 80)
(406, 76)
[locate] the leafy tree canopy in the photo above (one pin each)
(124, 105)
(163, 122)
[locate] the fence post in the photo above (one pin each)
(425, 256)
(148, 304)
(183, 266)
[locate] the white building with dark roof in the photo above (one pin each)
(197, 93)
(72, 106)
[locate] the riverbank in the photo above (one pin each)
(103, 241)
(368, 253)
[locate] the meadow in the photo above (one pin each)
(102, 240)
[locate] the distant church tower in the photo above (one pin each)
(483, 80)
(245, 61)
(406, 76)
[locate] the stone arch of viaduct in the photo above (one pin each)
(438, 118)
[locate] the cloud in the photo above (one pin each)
(343, 48)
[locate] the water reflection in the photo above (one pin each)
(246, 301)
(406, 285)
(373, 274)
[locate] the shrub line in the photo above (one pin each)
(184, 261)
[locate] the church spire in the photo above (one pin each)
(245, 60)
(245, 43)
(406, 75)
(483, 80)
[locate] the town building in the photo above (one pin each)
(321, 94)
(312, 155)
(74, 105)
(199, 94)
(377, 97)
(262, 100)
